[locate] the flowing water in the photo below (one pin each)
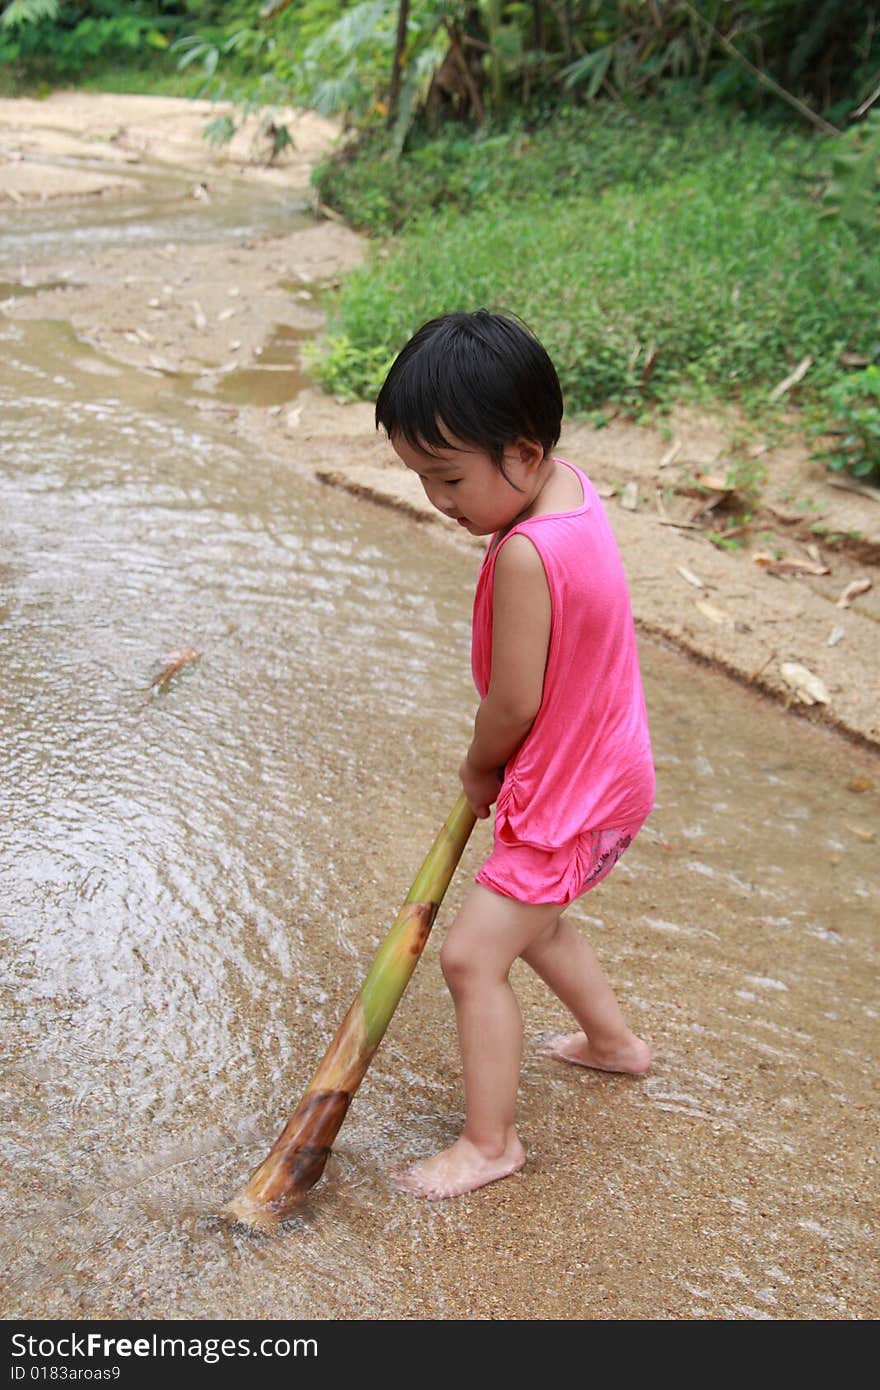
(160, 206)
(193, 882)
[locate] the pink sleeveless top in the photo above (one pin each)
(586, 762)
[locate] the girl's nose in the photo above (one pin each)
(439, 497)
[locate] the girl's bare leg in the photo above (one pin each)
(568, 964)
(488, 934)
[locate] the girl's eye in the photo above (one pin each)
(453, 482)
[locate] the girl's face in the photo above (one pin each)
(465, 485)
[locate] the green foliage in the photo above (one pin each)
(219, 131)
(578, 150)
(747, 476)
(716, 276)
(58, 40)
(310, 56)
(337, 63)
(476, 60)
(28, 12)
(345, 67)
(851, 417)
(525, 54)
(852, 191)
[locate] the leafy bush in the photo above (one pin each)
(573, 152)
(20, 12)
(45, 39)
(473, 57)
(851, 416)
(852, 189)
(717, 276)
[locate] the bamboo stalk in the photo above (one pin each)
(296, 1161)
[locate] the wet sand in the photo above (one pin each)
(192, 886)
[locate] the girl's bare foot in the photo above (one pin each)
(460, 1168)
(631, 1054)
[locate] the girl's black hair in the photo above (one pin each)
(483, 377)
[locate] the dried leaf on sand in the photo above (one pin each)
(858, 586)
(714, 482)
(709, 610)
(807, 686)
(690, 576)
(869, 836)
(774, 566)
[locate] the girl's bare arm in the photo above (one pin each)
(521, 617)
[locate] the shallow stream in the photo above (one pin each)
(193, 882)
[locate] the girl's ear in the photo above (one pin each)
(531, 453)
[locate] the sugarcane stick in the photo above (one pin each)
(296, 1161)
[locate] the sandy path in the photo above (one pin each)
(203, 309)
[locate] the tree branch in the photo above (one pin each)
(763, 77)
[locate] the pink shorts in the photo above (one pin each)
(533, 875)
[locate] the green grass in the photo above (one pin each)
(706, 251)
(573, 153)
(146, 81)
(159, 78)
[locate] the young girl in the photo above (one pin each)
(474, 407)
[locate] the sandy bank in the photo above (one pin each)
(41, 141)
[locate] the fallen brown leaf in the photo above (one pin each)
(809, 689)
(709, 611)
(858, 586)
(173, 663)
(860, 784)
(705, 504)
(869, 836)
(730, 534)
(690, 576)
(774, 566)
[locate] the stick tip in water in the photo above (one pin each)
(260, 1217)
